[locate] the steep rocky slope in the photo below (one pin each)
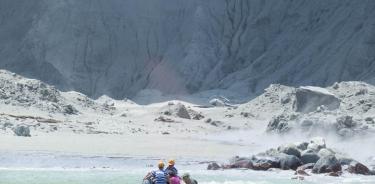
(118, 47)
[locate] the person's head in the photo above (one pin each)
(186, 178)
(172, 174)
(161, 165)
(171, 163)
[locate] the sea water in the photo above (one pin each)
(57, 168)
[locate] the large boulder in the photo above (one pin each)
(327, 164)
(325, 152)
(289, 162)
(246, 164)
(22, 130)
(358, 168)
(182, 112)
(290, 149)
(308, 99)
(266, 161)
(302, 146)
(309, 156)
(213, 166)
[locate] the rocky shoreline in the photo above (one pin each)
(305, 158)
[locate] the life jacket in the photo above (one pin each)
(159, 177)
(175, 180)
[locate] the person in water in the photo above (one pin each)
(174, 179)
(186, 178)
(171, 168)
(157, 177)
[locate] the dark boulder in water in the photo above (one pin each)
(289, 162)
(358, 168)
(327, 164)
(239, 162)
(264, 166)
(264, 161)
(246, 164)
(309, 156)
(213, 166)
(290, 150)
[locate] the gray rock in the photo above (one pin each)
(198, 116)
(69, 109)
(316, 144)
(302, 146)
(327, 164)
(22, 130)
(370, 120)
(272, 162)
(182, 112)
(164, 119)
(345, 122)
(345, 161)
(358, 168)
(289, 162)
(290, 150)
(238, 162)
(309, 156)
(308, 100)
(325, 152)
(213, 166)
(279, 124)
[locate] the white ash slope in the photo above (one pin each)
(72, 122)
(346, 109)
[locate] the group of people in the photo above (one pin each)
(168, 175)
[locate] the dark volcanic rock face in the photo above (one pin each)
(119, 47)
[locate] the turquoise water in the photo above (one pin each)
(56, 168)
(204, 177)
(122, 177)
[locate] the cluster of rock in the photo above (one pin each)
(305, 158)
(179, 110)
(19, 91)
(345, 108)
